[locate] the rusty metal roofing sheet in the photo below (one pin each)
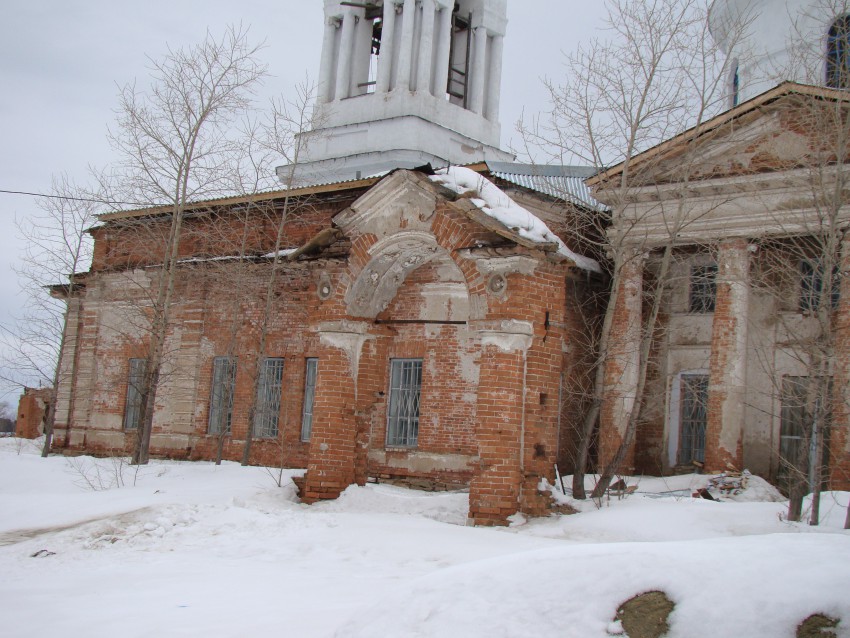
(562, 182)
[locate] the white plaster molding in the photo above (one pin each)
(508, 335)
(348, 336)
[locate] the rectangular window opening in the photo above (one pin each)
(403, 412)
(703, 293)
(799, 428)
(812, 282)
(693, 418)
(269, 386)
(221, 395)
(312, 369)
(135, 387)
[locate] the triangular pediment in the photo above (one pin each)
(775, 131)
(404, 200)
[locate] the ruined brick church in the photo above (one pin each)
(434, 306)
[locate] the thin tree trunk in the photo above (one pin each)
(645, 350)
(592, 415)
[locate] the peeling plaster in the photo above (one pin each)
(349, 337)
(508, 335)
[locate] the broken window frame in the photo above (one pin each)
(403, 405)
(135, 384)
(222, 390)
(311, 371)
(269, 391)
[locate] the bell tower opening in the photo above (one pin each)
(404, 83)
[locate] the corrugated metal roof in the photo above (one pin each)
(563, 182)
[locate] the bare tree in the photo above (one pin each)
(58, 248)
(657, 75)
(175, 144)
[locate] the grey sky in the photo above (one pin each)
(61, 61)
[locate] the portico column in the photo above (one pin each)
(327, 64)
(479, 67)
(495, 489)
(385, 59)
(405, 58)
(494, 85)
(622, 361)
(426, 47)
(728, 364)
(344, 59)
(333, 446)
(444, 46)
(839, 446)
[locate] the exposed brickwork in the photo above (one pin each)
(488, 416)
(32, 407)
(727, 381)
(621, 362)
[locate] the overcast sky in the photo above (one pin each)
(62, 60)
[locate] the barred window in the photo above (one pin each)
(403, 415)
(267, 411)
(694, 418)
(135, 385)
(221, 396)
(309, 397)
(703, 288)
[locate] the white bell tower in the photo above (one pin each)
(769, 41)
(403, 83)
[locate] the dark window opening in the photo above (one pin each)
(693, 418)
(135, 386)
(812, 282)
(703, 292)
(403, 413)
(312, 368)
(459, 63)
(736, 87)
(221, 396)
(838, 54)
(804, 406)
(269, 389)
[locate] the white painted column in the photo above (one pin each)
(444, 46)
(494, 84)
(405, 58)
(426, 47)
(343, 69)
(479, 67)
(326, 68)
(385, 59)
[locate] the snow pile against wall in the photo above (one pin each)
(494, 202)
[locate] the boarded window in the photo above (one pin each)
(309, 398)
(221, 396)
(269, 387)
(403, 415)
(693, 418)
(135, 385)
(703, 289)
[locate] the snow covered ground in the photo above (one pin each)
(193, 549)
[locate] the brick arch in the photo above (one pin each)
(391, 260)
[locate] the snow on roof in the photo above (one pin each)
(495, 203)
